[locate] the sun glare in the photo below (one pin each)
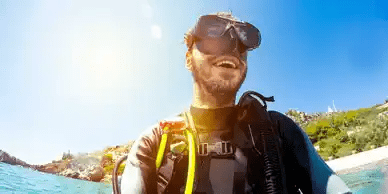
(100, 58)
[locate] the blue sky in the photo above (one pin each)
(83, 75)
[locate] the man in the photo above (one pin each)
(228, 158)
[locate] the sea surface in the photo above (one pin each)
(366, 181)
(16, 179)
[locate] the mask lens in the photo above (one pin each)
(212, 46)
(220, 46)
(210, 27)
(249, 36)
(214, 27)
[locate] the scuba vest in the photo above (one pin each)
(185, 147)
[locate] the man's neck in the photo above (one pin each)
(206, 100)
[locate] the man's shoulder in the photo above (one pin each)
(146, 145)
(275, 115)
(285, 125)
(156, 128)
(152, 134)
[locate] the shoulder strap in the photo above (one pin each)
(166, 171)
(265, 137)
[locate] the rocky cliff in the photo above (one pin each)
(97, 166)
(6, 158)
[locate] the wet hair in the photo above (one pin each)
(190, 40)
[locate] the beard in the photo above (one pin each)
(217, 86)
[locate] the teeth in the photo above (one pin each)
(226, 62)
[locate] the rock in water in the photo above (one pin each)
(97, 174)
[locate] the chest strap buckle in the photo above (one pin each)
(221, 148)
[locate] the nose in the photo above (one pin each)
(233, 45)
(232, 33)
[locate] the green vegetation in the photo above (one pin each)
(111, 154)
(108, 169)
(344, 133)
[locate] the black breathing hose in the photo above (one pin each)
(272, 171)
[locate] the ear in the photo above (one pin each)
(189, 60)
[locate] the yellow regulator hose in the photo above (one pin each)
(191, 154)
(191, 170)
(159, 157)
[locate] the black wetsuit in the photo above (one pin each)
(242, 173)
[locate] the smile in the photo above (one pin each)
(226, 64)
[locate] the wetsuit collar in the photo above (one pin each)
(214, 119)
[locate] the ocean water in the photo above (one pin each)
(15, 180)
(18, 180)
(367, 181)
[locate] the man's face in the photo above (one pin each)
(220, 74)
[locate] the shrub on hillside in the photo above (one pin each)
(328, 148)
(108, 169)
(343, 133)
(109, 156)
(321, 129)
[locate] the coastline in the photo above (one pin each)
(368, 160)
(96, 166)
